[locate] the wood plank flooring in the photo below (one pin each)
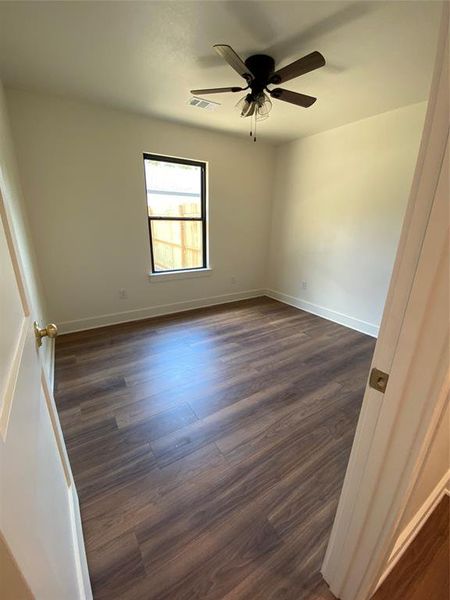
(209, 449)
(423, 571)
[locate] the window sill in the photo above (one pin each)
(176, 275)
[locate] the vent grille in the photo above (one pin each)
(202, 103)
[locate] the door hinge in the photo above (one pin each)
(378, 380)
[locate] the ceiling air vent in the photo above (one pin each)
(204, 104)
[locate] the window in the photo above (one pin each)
(176, 206)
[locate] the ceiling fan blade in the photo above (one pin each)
(308, 63)
(217, 90)
(293, 97)
(234, 60)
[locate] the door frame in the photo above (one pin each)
(395, 428)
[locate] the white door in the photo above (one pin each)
(39, 516)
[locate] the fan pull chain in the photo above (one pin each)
(253, 120)
(253, 128)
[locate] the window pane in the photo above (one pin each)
(173, 190)
(177, 245)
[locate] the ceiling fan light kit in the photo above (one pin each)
(259, 72)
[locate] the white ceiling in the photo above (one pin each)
(145, 56)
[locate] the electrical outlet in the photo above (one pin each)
(123, 294)
(233, 280)
(304, 285)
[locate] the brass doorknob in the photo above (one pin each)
(51, 331)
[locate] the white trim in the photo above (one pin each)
(411, 530)
(154, 311)
(190, 274)
(327, 313)
(84, 583)
(51, 365)
(6, 397)
(81, 566)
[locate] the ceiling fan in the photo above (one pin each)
(259, 72)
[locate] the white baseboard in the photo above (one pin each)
(175, 307)
(51, 365)
(332, 315)
(417, 522)
(153, 311)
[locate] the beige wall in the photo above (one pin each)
(11, 190)
(338, 207)
(338, 204)
(84, 182)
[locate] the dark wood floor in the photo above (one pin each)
(423, 571)
(209, 449)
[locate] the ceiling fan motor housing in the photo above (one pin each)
(262, 67)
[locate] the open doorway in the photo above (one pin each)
(216, 333)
